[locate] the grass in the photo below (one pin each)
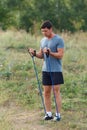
(18, 83)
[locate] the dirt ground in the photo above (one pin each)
(21, 119)
(14, 117)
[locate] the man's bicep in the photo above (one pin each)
(60, 51)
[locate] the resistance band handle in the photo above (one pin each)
(47, 54)
(32, 54)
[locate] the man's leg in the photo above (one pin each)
(58, 98)
(47, 97)
(47, 100)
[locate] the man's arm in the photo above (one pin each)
(36, 54)
(39, 54)
(59, 54)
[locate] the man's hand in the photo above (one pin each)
(46, 51)
(32, 51)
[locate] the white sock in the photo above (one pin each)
(58, 114)
(49, 113)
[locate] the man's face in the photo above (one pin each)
(46, 32)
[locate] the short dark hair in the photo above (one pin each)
(46, 24)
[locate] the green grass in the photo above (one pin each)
(18, 82)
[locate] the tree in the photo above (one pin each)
(28, 14)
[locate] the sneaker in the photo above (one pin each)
(56, 118)
(48, 117)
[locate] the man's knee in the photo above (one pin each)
(57, 89)
(47, 93)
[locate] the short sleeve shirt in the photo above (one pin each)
(51, 63)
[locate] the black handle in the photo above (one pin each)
(47, 54)
(34, 53)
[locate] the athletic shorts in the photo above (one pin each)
(52, 78)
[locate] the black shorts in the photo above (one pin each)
(52, 78)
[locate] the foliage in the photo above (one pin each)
(27, 14)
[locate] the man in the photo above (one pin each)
(53, 46)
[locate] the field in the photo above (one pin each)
(20, 103)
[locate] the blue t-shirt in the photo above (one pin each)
(52, 64)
